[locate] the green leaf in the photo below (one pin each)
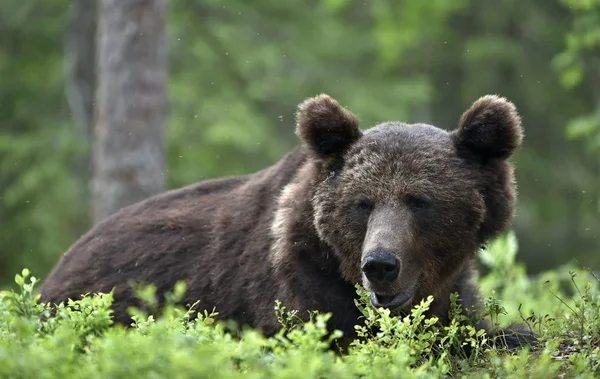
(584, 126)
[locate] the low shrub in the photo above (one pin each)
(561, 306)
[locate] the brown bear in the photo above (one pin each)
(400, 208)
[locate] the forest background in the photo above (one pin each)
(235, 71)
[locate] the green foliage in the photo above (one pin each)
(79, 340)
(580, 61)
(398, 28)
(41, 208)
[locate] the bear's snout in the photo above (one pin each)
(380, 268)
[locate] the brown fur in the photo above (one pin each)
(297, 231)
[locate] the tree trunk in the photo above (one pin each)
(80, 80)
(128, 147)
(80, 73)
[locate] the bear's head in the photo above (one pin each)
(405, 206)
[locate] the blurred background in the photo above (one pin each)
(104, 103)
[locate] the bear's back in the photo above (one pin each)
(212, 234)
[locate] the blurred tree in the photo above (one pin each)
(579, 66)
(131, 104)
(40, 208)
(80, 79)
(260, 59)
(80, 63)
(506, 48)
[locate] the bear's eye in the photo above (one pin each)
(418, 202)
(363, 205)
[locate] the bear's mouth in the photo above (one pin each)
(391, 301)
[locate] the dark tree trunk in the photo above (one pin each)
(130, 104)
(80, 80)
(80, 59)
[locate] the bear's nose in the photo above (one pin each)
(380, 268)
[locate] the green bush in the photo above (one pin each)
(81, 342)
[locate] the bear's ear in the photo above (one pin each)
(325, 127)
(491, 128)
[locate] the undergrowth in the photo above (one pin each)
(561, 306)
